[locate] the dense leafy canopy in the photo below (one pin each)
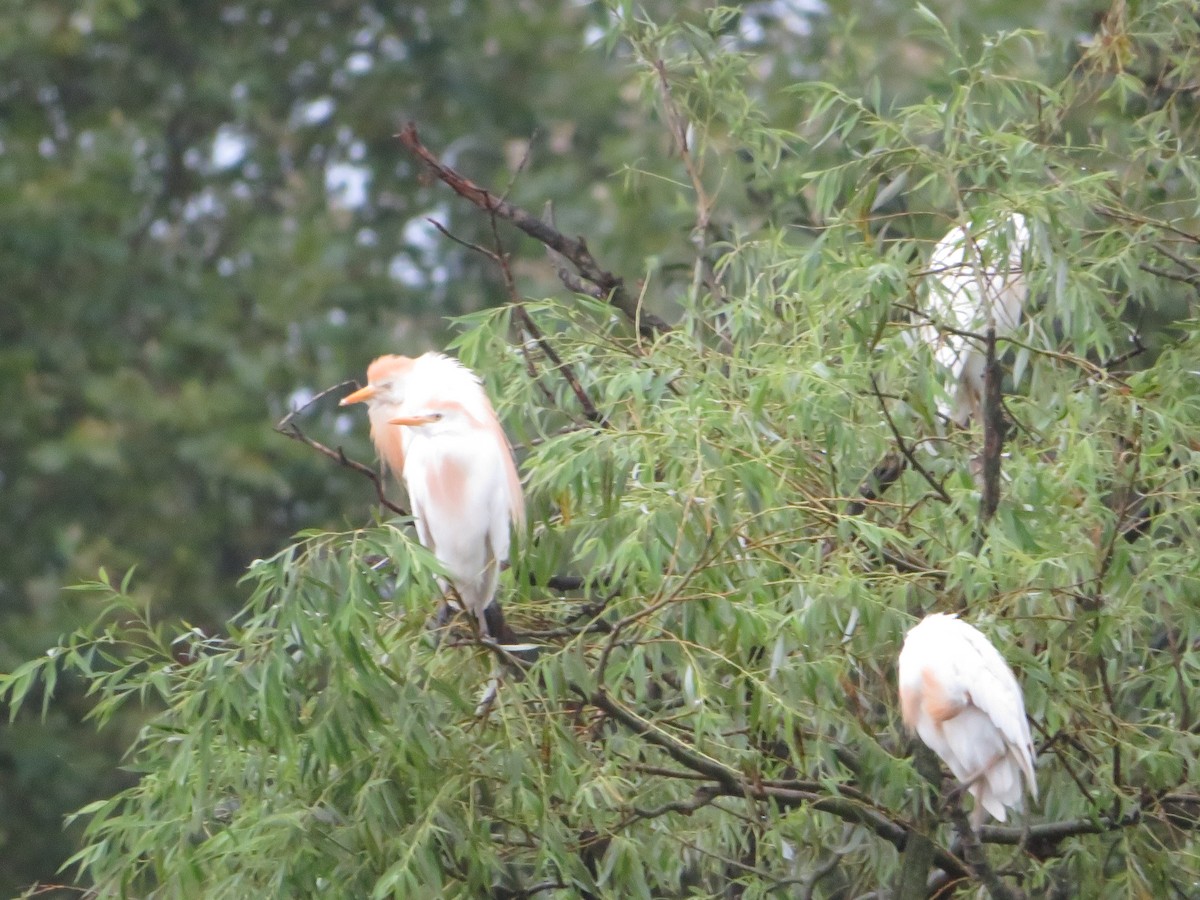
(712, 711)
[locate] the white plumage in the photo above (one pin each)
(976, 279)
(461, 479)
(963, 701)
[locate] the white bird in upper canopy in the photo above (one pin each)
(433, 425)
(976, 279)
(963, 701)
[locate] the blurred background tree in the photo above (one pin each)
(205, 219)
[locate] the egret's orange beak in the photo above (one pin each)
(358, 396)
(414, 420)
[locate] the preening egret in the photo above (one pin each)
(963, 701)
(976, 280)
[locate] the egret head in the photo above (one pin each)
(387, 378)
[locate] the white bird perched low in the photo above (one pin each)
(462, 481)
(963, 701)
(974, 283)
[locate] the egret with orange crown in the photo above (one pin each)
(963, 701)
(387, 378)
(432, 423)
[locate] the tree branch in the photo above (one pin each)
(918, 852)
(288, 427)
(1187, 278)
(500, 258)
(589, 409)
(611, 287)
(975, 856)
(993, 435)
(676, 749)
(905, 449)
(679, 130)
(1043, 840)
(730, 783)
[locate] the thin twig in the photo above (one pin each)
(518, 304)
(675, 748)
(1124, 216)
(905, 449)
(589, 408)
(500, 258)
(1188, 264)
(701, 798)
(679, 128)
(1185, 278)
(610, 286)
(1138, 349)
(993, 435)
(288, 427)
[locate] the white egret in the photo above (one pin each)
(434, 427)
(976, 281)
(963, 701)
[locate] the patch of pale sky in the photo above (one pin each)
(358, 63)
(346, 184)
(317, 111)
(229, 147)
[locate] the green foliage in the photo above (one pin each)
(715, 710)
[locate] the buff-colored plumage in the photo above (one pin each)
(976, 280)
(387, 382)
(433, 425)
(961, 698)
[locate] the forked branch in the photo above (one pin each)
(287, 426)
(609, 287)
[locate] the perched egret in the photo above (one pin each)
(458, 469)
(976, 281)
(964, 702)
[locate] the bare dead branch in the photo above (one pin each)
(976, 858)
(500, 258)
(993, 434)
(905, 449)
(287, 426)
(610, 286)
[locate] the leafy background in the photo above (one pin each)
(206, 219)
